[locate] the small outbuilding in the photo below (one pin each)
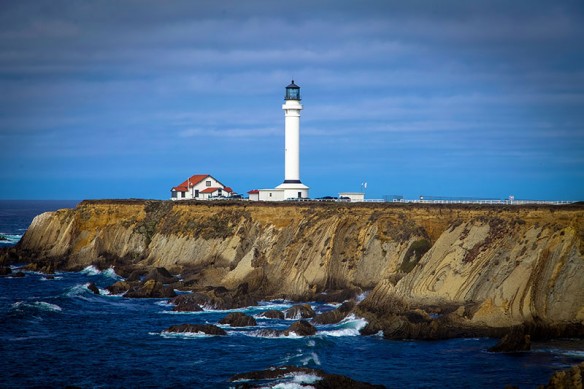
(354, 197)
(200, 187)
(254, 195)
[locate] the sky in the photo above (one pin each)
(126, 99)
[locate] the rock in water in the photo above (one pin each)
(160, 274)
(273, 314)
(119, 287)
(573, 378)
(151, 289)
(314, 378)
(5, 270)
(301, 328)
(238, 319)
(514, 341)
(336, 315)
(92, 287)
(301, 311)
(208, 329)
(188, 302)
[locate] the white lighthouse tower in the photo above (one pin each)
(292, 186)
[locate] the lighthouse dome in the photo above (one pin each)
(292, 92)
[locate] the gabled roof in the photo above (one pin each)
(253, 191)
(196, 179)
(191, 181)
(210, 190)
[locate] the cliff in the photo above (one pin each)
(494, 266)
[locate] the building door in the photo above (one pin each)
(299, 195)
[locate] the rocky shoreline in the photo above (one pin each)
(428, 272)
(431, 272)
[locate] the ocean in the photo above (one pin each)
(56, 332)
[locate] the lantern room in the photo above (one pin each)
(292, 92)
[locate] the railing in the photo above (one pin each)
(493, 202)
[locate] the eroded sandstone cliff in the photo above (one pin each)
(496, 266)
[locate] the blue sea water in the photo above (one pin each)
(56, 332)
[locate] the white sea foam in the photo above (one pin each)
(261, 334)
(51, 279)
(362, 296)
(277, 305)
(77, 290)
(105, 292)
(111, 273)
(290, 385)
(40, 305)
(303, 378)
(185, 335)
(166, 312)
(91, 271)
(10, 238)
(349, 326)
(568, 353)
(311, 357)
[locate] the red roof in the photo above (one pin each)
(194, 180)
(210, 190)
(191, 181)
(255, 191)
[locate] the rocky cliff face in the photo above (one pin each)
(495, 266)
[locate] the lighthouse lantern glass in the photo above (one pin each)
(292, 92)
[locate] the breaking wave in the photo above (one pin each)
(349, 326)
(36, 305)
(9, 239)
(93, 271)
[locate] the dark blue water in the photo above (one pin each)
(56, 332)
(16, 215)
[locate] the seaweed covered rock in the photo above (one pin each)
(336, 315)
(151, 289)
(572, 378)
(300, 328)
(336, 296)
(515, 341)
(92, 287)
(208, 329)
(119, 287)
(160, 274)
(238, 319)
(300, 311)
(273, 314)
(296, 375)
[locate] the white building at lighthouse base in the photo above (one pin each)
(282, 192)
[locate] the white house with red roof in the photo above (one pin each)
(200, 187)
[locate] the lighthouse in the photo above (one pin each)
(292, 186)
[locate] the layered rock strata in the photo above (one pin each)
(470, 266)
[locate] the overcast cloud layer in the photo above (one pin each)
(450, 98)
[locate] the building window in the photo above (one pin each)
(196, 193)
(270, 194)
(208, 183)
(183, 194)
(173, 194)
(299, 195)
